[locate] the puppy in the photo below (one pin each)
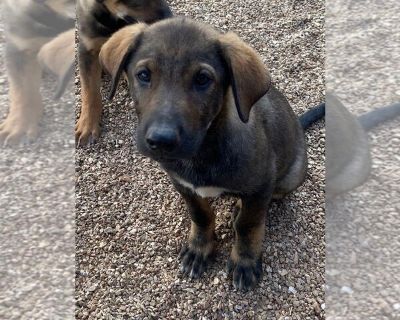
(209, 114)
(98, 20)
(29, 25)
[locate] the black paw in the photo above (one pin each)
(193, 262)
(245, 275)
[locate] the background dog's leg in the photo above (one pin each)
(88, 127)
(26, 108)
(200, 244)
(249, 225)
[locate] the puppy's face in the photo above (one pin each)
(143, 10)
(179, 84)
(179, 72)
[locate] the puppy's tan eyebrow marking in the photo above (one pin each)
(145, 62)
(207, 67)
(148, 63)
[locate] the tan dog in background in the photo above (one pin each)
(38, 34)
(98, 20)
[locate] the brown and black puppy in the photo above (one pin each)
(31, 26)
(98, 20)
(210, 116)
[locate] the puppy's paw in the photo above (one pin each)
(86, 131)
(246, 272)
(195, 257)
(14, 129)
(193, 263)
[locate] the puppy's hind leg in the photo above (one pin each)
(294, 176)
(26, 108)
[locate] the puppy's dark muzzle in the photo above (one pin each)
(162, 139)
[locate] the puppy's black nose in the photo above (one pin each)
(162, 139)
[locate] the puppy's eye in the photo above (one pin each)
(144, 76)
(203, 79)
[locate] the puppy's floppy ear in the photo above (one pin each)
(117, 52)
(249, 78)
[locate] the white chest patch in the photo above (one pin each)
(204, 192)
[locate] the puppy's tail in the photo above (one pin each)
(368, 120)
(373, 118)
(58, 57)
(63, 81)
(312, 115)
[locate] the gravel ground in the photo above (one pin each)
(131, 223)
(362, 227)
(37, 213)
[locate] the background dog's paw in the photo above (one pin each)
(86, 132)
(193, 262)
(14, 130)
(246, 273)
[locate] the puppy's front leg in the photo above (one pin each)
(196, 253)
(88, 126)
(249, 225)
